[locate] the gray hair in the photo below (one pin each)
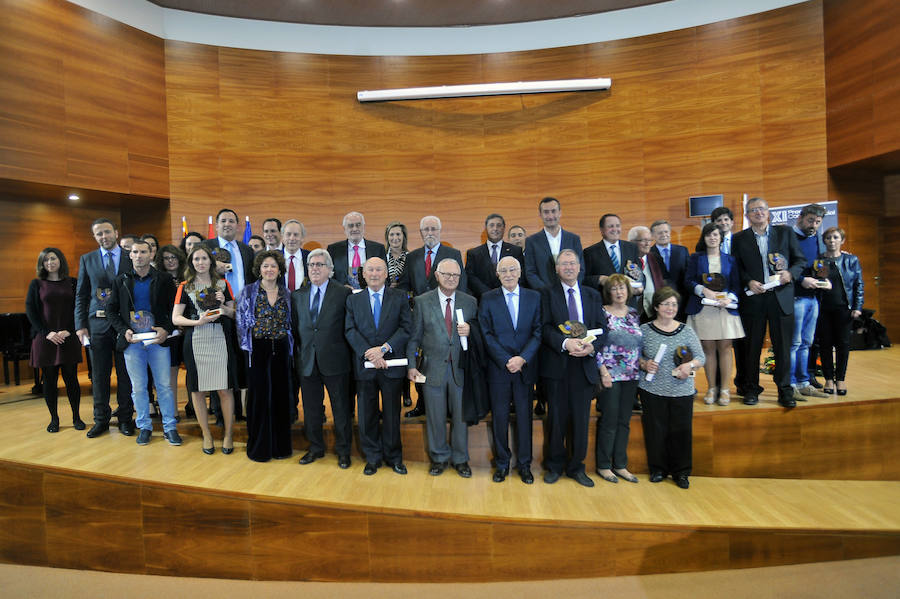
(422, 221)
(354, 213)
(294, 221)
(566, 251)
(320, 252)
(633, 232)
(448, 260)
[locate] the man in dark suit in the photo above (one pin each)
(610, 256)
(569, 367)
(418, 274)
(754, 250)
(674, 257)
(481, 261)
(271, 232)
(377, 326)
(542, 248)
(439, 332)
(516, 236)
(292, 235)
(97, 272)
(510, 319)
(322, 357)
(238, 273)
(350, 254)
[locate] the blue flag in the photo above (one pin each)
(247, 232)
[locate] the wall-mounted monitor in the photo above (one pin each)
(700, 206)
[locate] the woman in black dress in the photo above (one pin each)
(209, 356)
(50, 306)
(264, 331)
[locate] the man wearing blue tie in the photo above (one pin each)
(674, 257)
(510, 319)
(724, 219)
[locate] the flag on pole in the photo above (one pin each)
(211, 234)
(183, 227)
(247, 232)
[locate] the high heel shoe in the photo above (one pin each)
(78, 424)
(227, 450)
(839, 390)
(209, 450)
(724, 397)
(710, 397)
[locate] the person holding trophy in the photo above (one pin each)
(711, 310)
(840, 304)
(670, 355)
(204, 306)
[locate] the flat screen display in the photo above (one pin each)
(704, 205)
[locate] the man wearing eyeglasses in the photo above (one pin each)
(439, 331)
(767, 255)
(322, 357)
(351, 253)
(418, 275)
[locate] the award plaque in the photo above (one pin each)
(576, 330)
(102, 295)
(821, 270)
(634, 273)
(221, 255)
(141, 323)
(206, 301)
(681, 355)
(714, 281)
(356, 280)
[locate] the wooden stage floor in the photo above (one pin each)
(759, 506)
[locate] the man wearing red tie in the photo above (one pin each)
(350, 254)
(292, 235)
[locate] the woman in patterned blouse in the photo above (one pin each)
(619, 373)
(264, 330)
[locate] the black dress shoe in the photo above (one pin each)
(500, 475)
(78, 424)
(212, 450)
(343, 462)
(815, 382)
(310, 457)
(582, 479)
(407, 401)
(53, 427)
(751, 400)
(551, 477)
(657, 477)
(463, 469)
(126, 427)
(787, 402)
(682, 481)
(399, 468)
(437, 468)
(97, 430)
(526, 475)
(371, 468)
(540, 410)
(417, 411)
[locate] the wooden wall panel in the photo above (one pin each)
(735, 107)
(83, 100)
(862, 50)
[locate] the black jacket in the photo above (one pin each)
(121, 302)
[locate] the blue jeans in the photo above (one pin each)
(806, 312)
(137, 357)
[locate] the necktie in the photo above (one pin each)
(614, 256)
(726, 245)
(510, 303)
(110, 265)
(642, 263)
(355, 264)
(573, 307)
(292, 275)
(376, 309)
(314, 309)
(230, 275)
(666, 257)
(448, 319)
(428, 264)
(494, 257)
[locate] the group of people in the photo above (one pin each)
(530, 316)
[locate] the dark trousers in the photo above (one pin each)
(379, 443)
(269, 412)
(312, 389)
(568, 400)
(834, 337)
(614, 424)
(668, 433)
(781, 331)
(520, 394)
(740, 367)
(51, 390)
(103, 354)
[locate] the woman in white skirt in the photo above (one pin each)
(712, 276)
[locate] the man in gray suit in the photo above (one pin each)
(438, 331)
(97, 271)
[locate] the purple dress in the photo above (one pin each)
(50, 306)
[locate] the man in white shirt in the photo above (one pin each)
(351, 253)
(272, 234)
(292, 235)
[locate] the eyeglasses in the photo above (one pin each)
(354, 225)
(508, 271)
(430, 230)
(449, 275)
(316, 265)
(672, 304)
(758, 210)
(567, 263)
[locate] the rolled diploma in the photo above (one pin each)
(463, 341)
(659, 356)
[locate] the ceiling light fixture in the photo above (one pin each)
(484, 89)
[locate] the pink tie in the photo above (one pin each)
(355, 257)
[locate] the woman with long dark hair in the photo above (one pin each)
(50, 307)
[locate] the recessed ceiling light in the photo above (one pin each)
(74, 197)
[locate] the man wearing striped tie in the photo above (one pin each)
(481, 261)
(610, 256)
(724, 219)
